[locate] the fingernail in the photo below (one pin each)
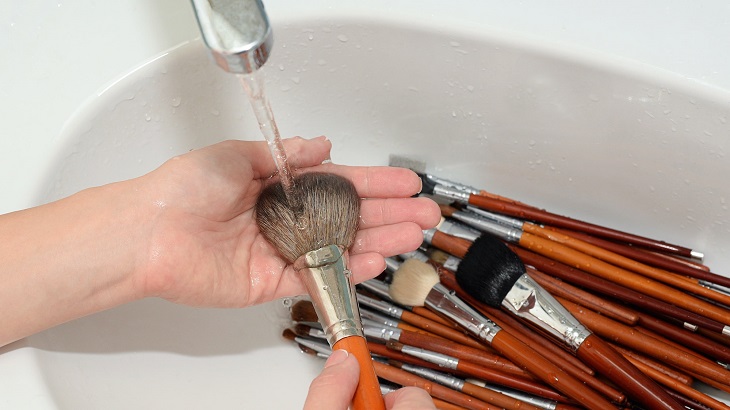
(337, 357)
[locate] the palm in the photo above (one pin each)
(205, 246)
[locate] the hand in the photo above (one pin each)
(334, 388)
(205, 247)
(185, 232)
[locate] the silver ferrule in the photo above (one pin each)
(452, 184)
(381, 306)
(494, 217)
(318, 347)
(418, 254)
(378, 318)
(237, 33)
(714, 286)
(377, 332)
(452, 263)
(445, 361)
(530, 301)
(697, 255)
(458, 230)
(451, 193)
(448, 304)
(377, 287)
(504, 232)
(438, 377)
(391, 264)
(325, 275)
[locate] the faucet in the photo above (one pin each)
(236, 32)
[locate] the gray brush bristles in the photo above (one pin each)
(326, 212)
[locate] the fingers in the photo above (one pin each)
(377, 182)
(388, 240)
(334, 388)
(376, 212)
(300, 152)
(409, 398)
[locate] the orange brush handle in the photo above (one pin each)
(637, 385)
(367, 395)
(544, 369)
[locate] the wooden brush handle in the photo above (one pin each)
(404, 378)
(494, 397)
(439, 329)
(624, 277)
(606, 287)
(551, 374)
(681, 388)
(637, 385)
(670, 263)
(451, 244)
(367, 395)
(548, 218)
(660, 275)
(559, 288)
(629, 337)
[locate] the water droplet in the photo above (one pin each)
(455, 44)
(321, 62)
(214, 112)
(176, 101)
(593, 97)
(343, 38)
(281, 67)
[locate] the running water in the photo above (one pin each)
(254, 85)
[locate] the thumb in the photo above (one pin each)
(334, 388)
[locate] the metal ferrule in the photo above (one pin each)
(507, 233)
(438, 377)
(451, 193)
(378, 318)
(452, 263)
(377, 287)
(717, 288)
(697, 255)
(530, 301)
(377, 332)
(428, 235)
(381, 306)
(495, 217)
(445, 361)
(452, 184)
(391, 264)
(324, 273)
(536, 401)
(458, 230)
(318, 347)
(237, 33)
(448, 304)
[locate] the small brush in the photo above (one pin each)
(417, 283)
(496, 276)
(312, 224)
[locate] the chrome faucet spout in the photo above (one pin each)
(237, 33)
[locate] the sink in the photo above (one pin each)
(580, 133)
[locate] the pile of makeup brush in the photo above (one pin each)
(510, 306)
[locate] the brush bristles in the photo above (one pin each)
(321, 209)
(489, 270)
(412, 282)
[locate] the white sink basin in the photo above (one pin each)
(586, 134)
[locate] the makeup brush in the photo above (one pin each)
(496, 276)
(548, 218)
(312, 225)
(598, 267)
(417, 284)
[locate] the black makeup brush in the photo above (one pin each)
(312, 224)
(494, 275)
